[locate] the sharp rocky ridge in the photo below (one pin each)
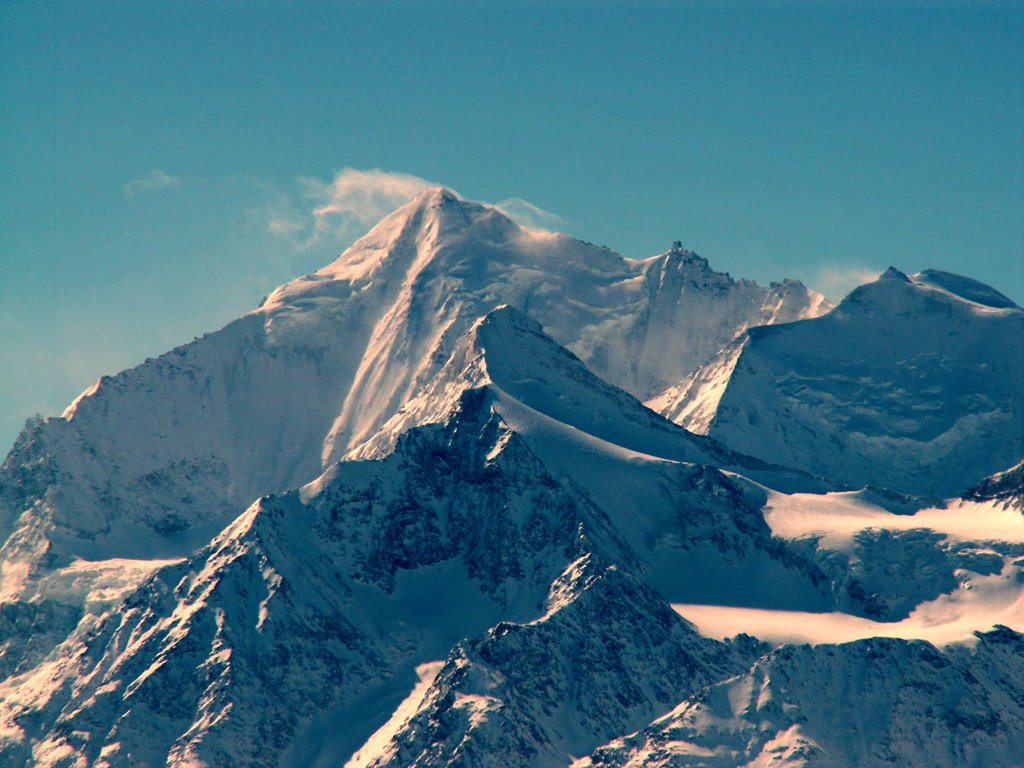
(414, 511)
(155, 460)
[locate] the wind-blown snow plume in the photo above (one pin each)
(345, 207)
(837, 280)
(526, 214)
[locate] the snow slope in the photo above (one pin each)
(911, 383)
(154, 461)
(412, 512)
(868, 703)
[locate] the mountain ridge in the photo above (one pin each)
(905, 372)
(266, 403)
(412, 511)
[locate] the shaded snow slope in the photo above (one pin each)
(911, 383)
(288, 637)
(291, 637)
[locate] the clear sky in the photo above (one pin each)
(160, 163)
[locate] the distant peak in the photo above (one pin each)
(431, 201)
(894, 274)
(930, 285)
(677, 254)
(964, 288)
(437, 196)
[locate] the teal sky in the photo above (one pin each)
(160, 163)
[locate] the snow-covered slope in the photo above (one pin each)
(912, 383)
(153, 461)
(412, 512)
(288, 637)
(868, 703)
(693, 402)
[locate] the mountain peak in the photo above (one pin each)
(435, 196)
(895, 290)
(894, 274)
(535, 378)
(505, 316)
(684, 257)
(924, 348)
(410, 235)
(962, 287)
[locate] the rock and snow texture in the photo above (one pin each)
(290, 634)
(869, 703)
(412, 511)
(911, 383)
(1006, 487)
(606, 653)
(154, 461)
(287, 638)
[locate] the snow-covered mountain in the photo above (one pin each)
(331, 597)
(154, 461)
(378, 569)
(412, 511)
(911, 383)
(800, 705)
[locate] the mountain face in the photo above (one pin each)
(413, 511)
(307, 608)
(275, 642)
(1006, 487)
(798, 706)
(912, 383)
(156, 460)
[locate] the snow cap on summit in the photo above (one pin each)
(895, 288)
(963, 287)
(436, 195)
(894, 274)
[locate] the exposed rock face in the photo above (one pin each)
(870, 703)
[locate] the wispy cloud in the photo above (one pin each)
(340, 210)
(334, 213)
(151, 182)
(837, 280)
(529, 215)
